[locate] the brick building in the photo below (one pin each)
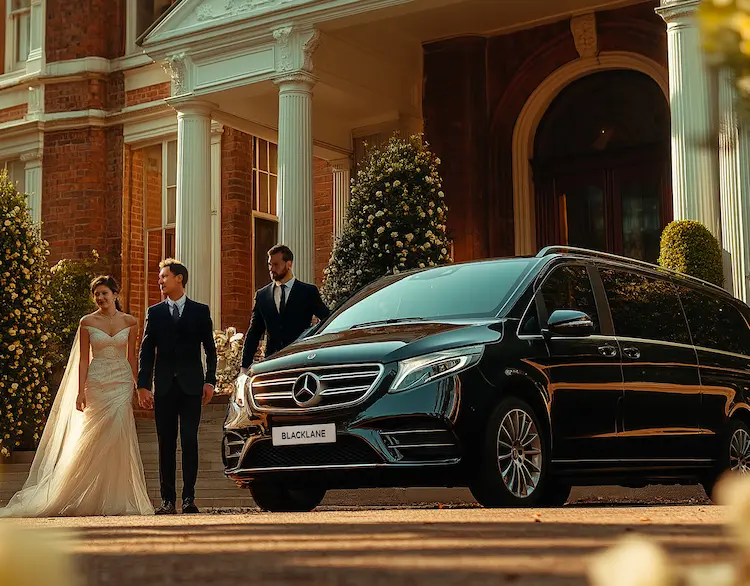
(210, 129)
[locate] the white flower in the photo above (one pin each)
(379, 193)
(381, 229)
(396, 183)
(387, 224)
(399, 244)
(380, 214)
(370, 218)
(421, 265)
(634, 561)
(409, 237)
(394, 234)
(441, 194)
(444, 251)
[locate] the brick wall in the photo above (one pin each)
(134, 279)
(323, 214)
(149, 93)
(113, 196)
(75, 95)
(73, 206)
(95, 28)
(13, 113)
(236, 229)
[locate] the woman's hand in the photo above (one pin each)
(81, 401)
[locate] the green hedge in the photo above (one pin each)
(688, 247)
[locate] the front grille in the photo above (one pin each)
(346, 450)
(424, 444)
(337, 386)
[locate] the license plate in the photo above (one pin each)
(293, 435)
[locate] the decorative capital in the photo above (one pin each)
(674, 10)
(31, 156)
(176, 67)
(583, 28)
(296, 81)
(295, 48)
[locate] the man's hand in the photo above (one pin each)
(145, 399)
(208, 393)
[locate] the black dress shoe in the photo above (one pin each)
(188, 506)
(166, 508)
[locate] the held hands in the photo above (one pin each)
(145, 399)
(81, 401)
(208, 393)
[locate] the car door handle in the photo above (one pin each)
(608, 351)
(631, 352)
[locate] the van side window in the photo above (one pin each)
(644, 307)
(569, 287)
(715, 322)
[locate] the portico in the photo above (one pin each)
(321, 77)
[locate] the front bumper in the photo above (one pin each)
(408, 439)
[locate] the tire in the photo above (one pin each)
(277, 498)
(734, 454)
(509, 476)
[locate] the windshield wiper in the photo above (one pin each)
(383, 322)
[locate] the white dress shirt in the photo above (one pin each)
(277, 292)
(180, 303)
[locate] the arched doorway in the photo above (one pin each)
(601, 165)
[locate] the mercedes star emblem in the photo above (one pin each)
(306, 390)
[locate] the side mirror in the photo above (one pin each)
(568, 322)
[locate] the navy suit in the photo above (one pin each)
(303, 302)
(170, 358)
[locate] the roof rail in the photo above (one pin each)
(558, 249)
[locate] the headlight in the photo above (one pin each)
(238, 395)
(413, 372)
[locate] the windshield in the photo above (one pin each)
(463, 291)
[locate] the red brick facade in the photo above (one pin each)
(150, 93)
(474, 91)
(236, 228)
(95, 28)
(13, 113)
(323, 214)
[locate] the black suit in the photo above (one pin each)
(303, 302)
(170, 358)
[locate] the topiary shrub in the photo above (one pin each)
(396, 218)
(24, 324)
(687, 246)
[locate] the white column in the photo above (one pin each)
(33, 183)
(215, 304)
(734, 173)
(295, 184)
(341, 192)
(193, 225)
(695, 186)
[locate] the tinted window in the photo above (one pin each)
(715, 323)
(569, 287)
(475, 290)
(644, 307)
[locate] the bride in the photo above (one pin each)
(88, 461)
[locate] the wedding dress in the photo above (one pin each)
(88, 463)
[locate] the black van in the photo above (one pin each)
(518, 378)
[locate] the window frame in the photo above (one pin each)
(12, 21)
(165, 226)
(257, 171)
(5, 166)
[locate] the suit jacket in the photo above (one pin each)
(171, 349)
(303, 301)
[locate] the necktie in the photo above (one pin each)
(282, 304)
(175, 313)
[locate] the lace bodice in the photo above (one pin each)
(106, 347)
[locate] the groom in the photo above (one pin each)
(171, 358)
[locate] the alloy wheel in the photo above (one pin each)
(519, 453)
(739, 451)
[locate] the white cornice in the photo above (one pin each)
(252, 28)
